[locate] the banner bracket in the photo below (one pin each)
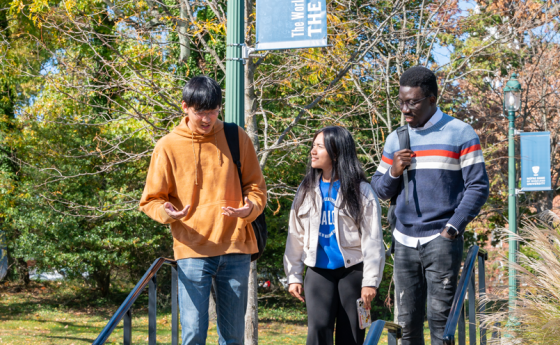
(249, 52)
(246, 53)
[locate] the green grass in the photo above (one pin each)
(71, 313)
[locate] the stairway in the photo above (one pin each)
(455, 322)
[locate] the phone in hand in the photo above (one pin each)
(364, 315)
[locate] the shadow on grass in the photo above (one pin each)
(281, 307)
(89, 340)
(289, 322)
(65, 296)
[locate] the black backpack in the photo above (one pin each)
(259, 225)
(404, 143)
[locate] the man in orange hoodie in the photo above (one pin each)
(193, 185)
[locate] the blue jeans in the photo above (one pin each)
(231, 277)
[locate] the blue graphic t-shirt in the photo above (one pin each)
(328, 253)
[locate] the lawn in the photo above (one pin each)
(71, 313)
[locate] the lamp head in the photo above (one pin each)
(512, 94)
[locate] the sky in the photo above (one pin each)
(442, 54)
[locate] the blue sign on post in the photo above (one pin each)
(287, 24)
(535, 161)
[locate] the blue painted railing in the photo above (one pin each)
(124, 312)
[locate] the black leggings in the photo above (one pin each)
(330, 295)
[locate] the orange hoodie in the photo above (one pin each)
(192, 169)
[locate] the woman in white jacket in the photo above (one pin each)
(334, 230)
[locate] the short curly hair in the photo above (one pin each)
(420, 76)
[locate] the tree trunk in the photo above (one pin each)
(183, 38)
(250, 96)
(252, 313)
(102, 278)
(23, 271)
(251, 104)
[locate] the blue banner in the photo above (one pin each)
(535, 161)
(287, 24)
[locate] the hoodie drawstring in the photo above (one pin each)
(195, 163)
(194, 154)
(217, 150)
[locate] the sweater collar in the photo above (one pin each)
(431, 122)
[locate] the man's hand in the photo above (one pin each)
(239, 212)
(170, 210)
(401, 160)
(296, 289)
(368, 294)
(446, 235)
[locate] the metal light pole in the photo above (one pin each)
(235, 112)
(235, 77)
(512, 103)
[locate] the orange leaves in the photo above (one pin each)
(520, 10)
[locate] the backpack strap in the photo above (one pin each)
(231, 131)
(404, 143)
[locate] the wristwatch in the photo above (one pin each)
(451, 231)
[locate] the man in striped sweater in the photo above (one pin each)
(448, 185)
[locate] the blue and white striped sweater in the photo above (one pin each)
(447, 178)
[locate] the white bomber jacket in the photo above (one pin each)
(303, 237)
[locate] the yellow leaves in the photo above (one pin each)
(69, 5)
(38, 6)
(211, 28)
(286, 82)
(332, 19)
(17, 6)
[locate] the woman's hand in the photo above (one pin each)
(368, 294)
(296, 290)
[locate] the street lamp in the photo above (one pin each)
(512, 103)
(512, 94)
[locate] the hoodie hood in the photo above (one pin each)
(199, 140)
(183, 130)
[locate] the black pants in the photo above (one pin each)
(331, 295)
(426, 272)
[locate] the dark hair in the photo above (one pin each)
(346, 168)
(420, 76)
(202, 93)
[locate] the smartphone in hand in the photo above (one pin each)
(364, 315)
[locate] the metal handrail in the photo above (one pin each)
(124, 310)
(457, 313)
(376, 329)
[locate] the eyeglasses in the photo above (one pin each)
(411, 104)
(203, 113)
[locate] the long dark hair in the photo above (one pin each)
(345, 167)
